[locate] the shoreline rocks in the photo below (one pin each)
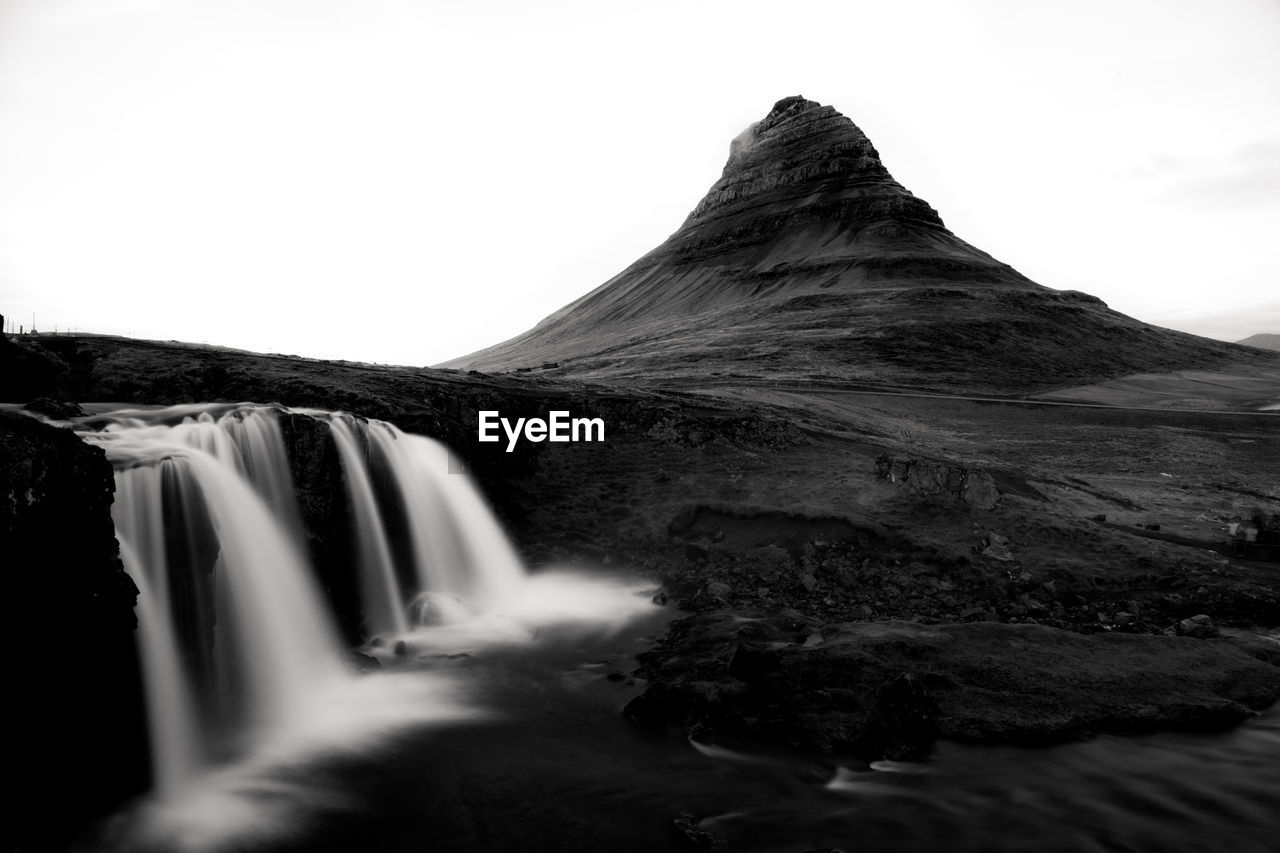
(890, 689)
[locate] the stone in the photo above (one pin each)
(997, 552)
(718, 589)
(437, 608)
(364, 663)
(1200, 627)
(932, 477)
(695, 836)
(57, 410)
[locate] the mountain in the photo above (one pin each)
(806, 260)
(1262, 340)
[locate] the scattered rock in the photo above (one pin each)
(998, 552)
(932, 477)
(55, 409)
(365, 663)
(718, 589)
(437, 608)
(1200, 627)
(695, 836)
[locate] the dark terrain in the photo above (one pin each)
(817, 515)
(821, 440)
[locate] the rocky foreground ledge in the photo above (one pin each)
(890, 689)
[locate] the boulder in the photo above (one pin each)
(935, 478)
(57, 410)
(1200, 627)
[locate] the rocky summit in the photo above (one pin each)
(806, 260)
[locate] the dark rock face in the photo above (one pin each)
(807, 260)
(76, 739)
(803, 165)
(326, 517)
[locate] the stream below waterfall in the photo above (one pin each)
(492, 719)
(535, 755)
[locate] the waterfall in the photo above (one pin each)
(175, 750)
(383, 601)
(458, 547)
(237, 643)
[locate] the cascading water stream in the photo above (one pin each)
(458, 547)
(237, 643)
(175, 751)
(383, 601)
(245, 674)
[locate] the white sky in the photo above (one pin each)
(407, 181)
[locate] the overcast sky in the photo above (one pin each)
(406, 181)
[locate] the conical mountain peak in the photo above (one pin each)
(806, 259)
(803, 164)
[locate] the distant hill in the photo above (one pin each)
(1262, 340)
(807, 260)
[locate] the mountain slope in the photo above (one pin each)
(807, 260)
(1262, 340)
